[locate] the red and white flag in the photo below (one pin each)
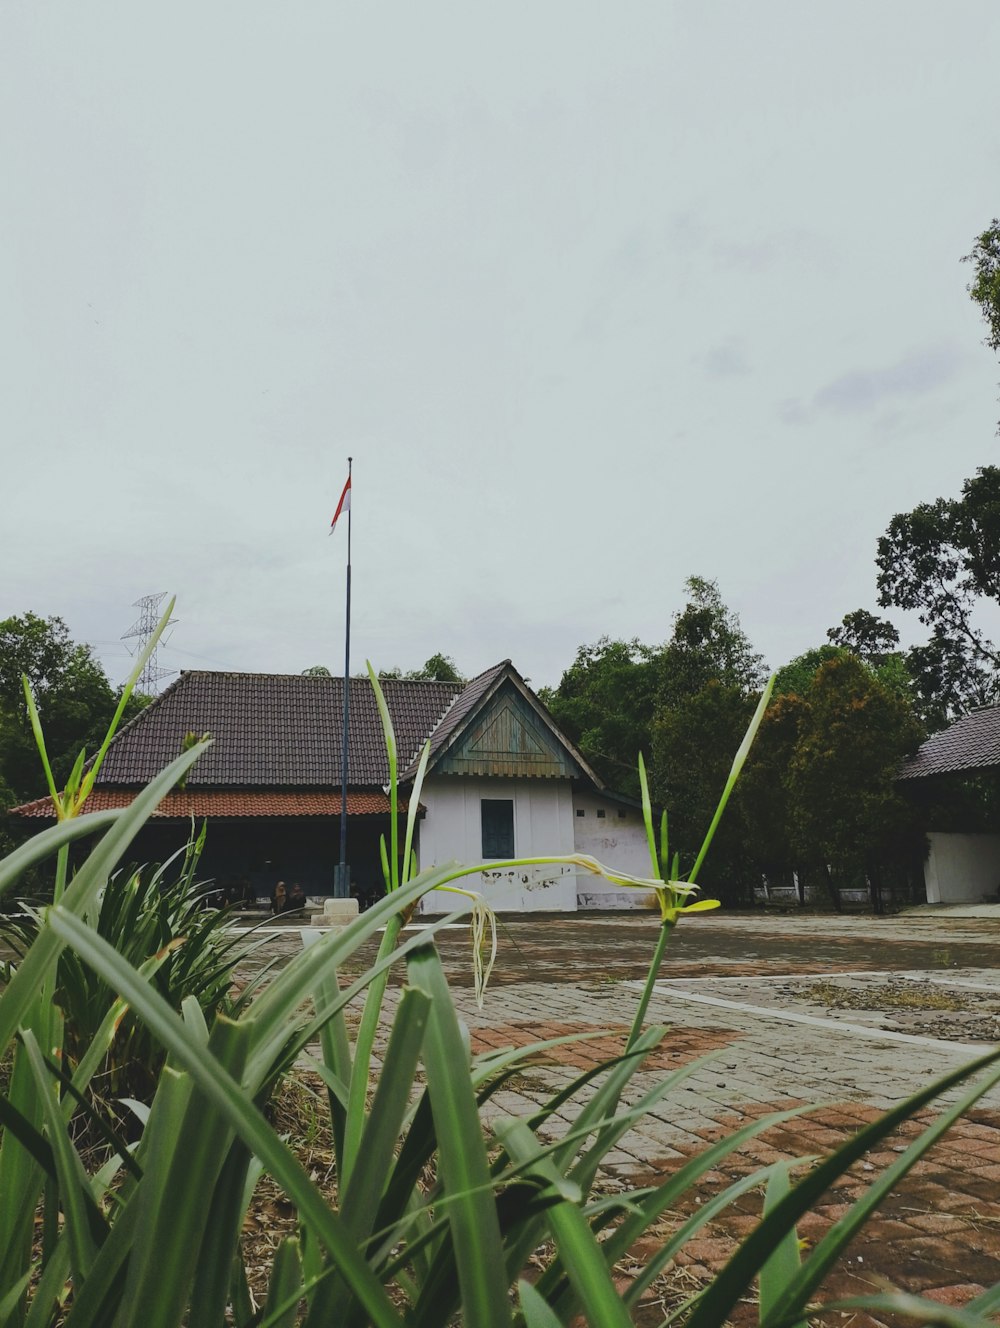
(343, 506)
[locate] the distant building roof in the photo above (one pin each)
(275, 730)
(970, 743)
(277, 741)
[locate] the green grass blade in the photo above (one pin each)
(412, 810)
(335, 1047)
(169, 1234)
(17, 1126)
(364, 1042)
(738, 762)
(39, 736)
(578, 1249)
(127, 691)
(38, 965)
(50, 841)
(81, 1215)
(717, 1302)
(285, 1289)
(647, 816)
(784, 1262)
(50, 1291)
(228, 1097)
(389, 1109)
(390, 751)
(919, 1309)
(827, 1251)
(213, 1274)
(462, 1159)
(534, 1309)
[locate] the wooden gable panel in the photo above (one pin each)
(510, 739)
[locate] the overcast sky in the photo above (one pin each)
(596, 295)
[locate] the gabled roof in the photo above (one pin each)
(275, 730)
(478, 694)
(276, 748)
(971, 743)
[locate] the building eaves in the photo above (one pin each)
(970, 743)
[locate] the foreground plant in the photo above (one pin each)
(436, 1215)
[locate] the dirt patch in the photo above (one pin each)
(927, 1008)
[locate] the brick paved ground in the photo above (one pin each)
(854, 1013)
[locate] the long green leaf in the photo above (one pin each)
(413, 809)
(463, 1163)
(647, 817)
(784, 1261)
(127, 690)
(390, 751)
(719, 1298)
(213, 1274)
(920, 1309)
(828, 1250)
(39, 736)
(738, 762)
(286, 1286)
(389, 1108)
(578, 1250)
(48, 842)
(39, 963)
(80, 1212)
(537, 1314)
(229, 1098)
(169, 1235)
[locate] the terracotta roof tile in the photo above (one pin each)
(232, 803)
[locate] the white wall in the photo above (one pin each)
(962, 869)
(615, 840)
(543, 824)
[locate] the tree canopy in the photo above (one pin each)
(75, 701)
(984, 287)
(942, 560)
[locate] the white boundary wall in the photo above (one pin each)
(617, 839)
(962, 869)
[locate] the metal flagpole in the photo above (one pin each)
(342, 884)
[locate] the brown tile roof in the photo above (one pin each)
(232, 803)
(971, 743)
(275, 730)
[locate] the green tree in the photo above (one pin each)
(871, 638)
(984, 287)
(943, 560)
(707, 644)
(605, 703)
(846, 815)
(764, 792)
(795, 677)
(74, 697)
(693, 745)
(439, 668)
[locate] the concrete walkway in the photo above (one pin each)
(854, 1013)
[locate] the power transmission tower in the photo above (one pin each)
(142, 629)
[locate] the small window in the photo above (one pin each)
(622, 813)
(580, 812)
(600, 813)
(498, 827)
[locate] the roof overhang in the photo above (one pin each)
(232, 804)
